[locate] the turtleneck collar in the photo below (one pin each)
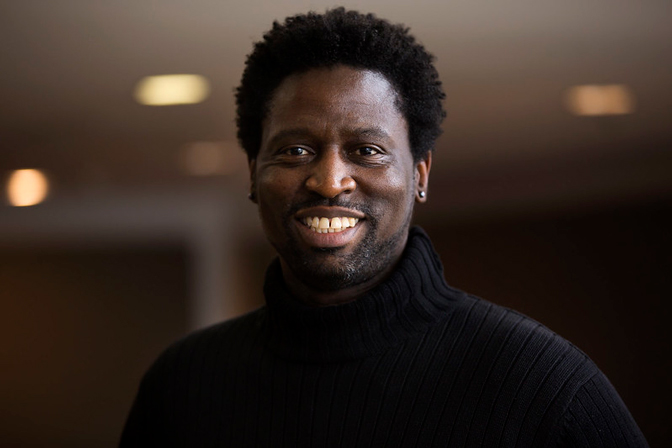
(412, 298)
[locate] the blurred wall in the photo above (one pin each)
(77, 331)
(93, 288)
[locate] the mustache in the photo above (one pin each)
(329, 202)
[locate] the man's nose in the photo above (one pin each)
(331, 176)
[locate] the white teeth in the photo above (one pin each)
(326, 225)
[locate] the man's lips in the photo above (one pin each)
(333, 225)
(329, 226)
(329, 212)
(329, 219)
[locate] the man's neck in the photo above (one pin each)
(317, 297)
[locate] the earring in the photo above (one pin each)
(251, 196)
(422, 194)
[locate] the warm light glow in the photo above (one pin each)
(167, 90)
(27, 187)
(211, 158)
(594, 100)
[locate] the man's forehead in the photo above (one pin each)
(341, 100)
(333, 83)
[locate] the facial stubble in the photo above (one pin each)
(343, 270)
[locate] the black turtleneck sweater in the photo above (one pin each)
(414, 363)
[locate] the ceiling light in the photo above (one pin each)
(27, 187)
(168, 90)
(595, 100)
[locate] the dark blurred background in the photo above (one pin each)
(551, 188)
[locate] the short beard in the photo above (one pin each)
(369, 259)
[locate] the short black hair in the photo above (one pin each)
(363, 41)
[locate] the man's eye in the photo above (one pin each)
(367, 151)
(296, 151)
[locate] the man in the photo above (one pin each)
(362, 343)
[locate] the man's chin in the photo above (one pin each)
(341, 267)
(334, 269)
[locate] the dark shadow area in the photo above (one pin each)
(78, 329)
(600, 278)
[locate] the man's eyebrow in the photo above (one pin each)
(373, 132)
(291, 132)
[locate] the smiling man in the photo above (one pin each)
(361, 342)
(335, 153)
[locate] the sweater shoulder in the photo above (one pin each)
(182, 372)
(205, 345)
(229, 329)
(521, 331)
(521, 368)
(528, 357)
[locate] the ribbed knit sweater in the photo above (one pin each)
(413, 363)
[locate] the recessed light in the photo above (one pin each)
(596, 100)
(168, 90)
(27, 187)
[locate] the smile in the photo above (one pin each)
(326, 225)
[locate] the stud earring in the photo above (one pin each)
(251, 196)
(422, 194)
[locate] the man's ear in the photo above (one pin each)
(422, 177)
(253, 181)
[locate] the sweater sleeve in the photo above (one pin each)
(141, 418)
(597, 417)
(144, 425)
